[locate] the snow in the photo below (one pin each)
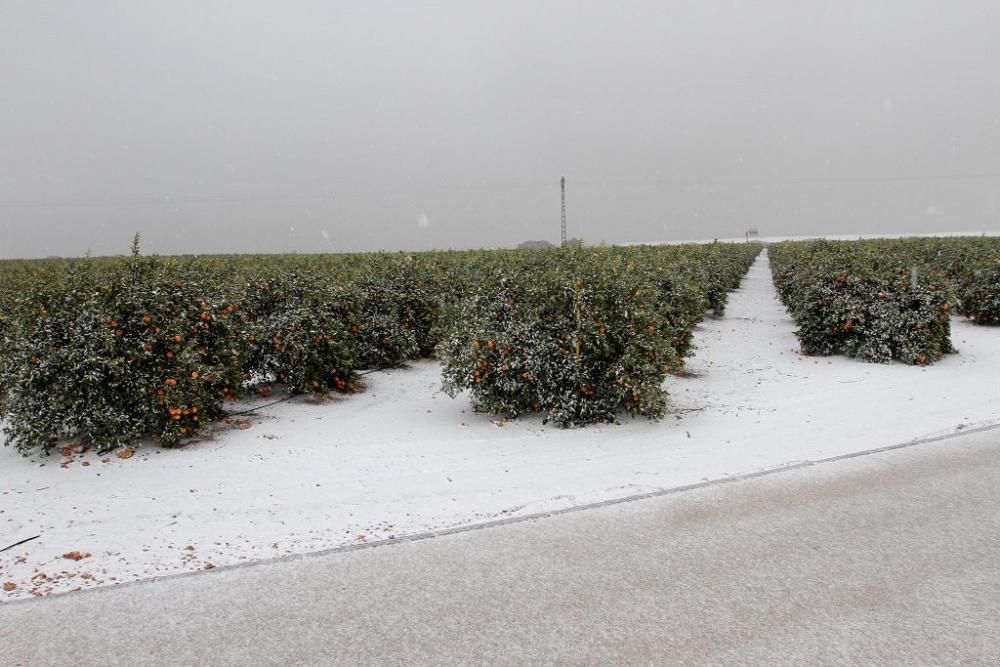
(829, 237)
(403, 458)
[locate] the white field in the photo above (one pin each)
(404, 458)
(829, 237)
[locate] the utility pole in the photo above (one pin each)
(562, 183)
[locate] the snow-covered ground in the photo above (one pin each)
(829, 237)
(403, 457)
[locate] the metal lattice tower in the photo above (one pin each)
(562, 183)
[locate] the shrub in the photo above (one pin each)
(843, 305)
(114, 350)
(579, 352)
(583, 340)
(302, 334)
(978, 291)
(115, 358)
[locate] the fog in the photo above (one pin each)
(253, 126)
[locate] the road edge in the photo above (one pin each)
(496, 523)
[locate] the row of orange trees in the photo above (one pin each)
(967, 269)
(117, 350)
(882, 300)
(583, 336)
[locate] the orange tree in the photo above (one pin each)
(300, 333)
(115, 350)
(581, 336)
(398, 309)
(968, 268)
(861, 300)
(111, 355)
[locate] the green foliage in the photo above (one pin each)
(117, 350)
(858, 298)
(979, 294)
(398, 314)
(587, 336)
(965, 270)
(300, 332)
(114, 356)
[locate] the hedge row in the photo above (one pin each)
(115, 350)
(588, 336)
(967, 268)
(859, 299)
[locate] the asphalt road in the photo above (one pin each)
(889, 558)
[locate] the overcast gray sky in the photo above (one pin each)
(253, 126)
